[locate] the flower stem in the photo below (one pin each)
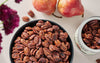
(1, 22)
(1, 28)
(4, 2)
(1, 25)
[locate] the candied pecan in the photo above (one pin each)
(29, 61)
(63, 46)
(93, 22)
(98, 47)
(68, 45)
(26, 59)
(31, 51)
(98, 60)
(20, 52)
(33, 59)
(24, 42)
(95, 43)
(19, 46)
(28, 28)
(54, 36)
(97, 39)
(26, 51)
(63, 36)
(68, 53)
(53, 48)
(97, 35)
(86, 41)
(30, 33)
(52, 61)
(50, 30)
(27, 42)
(47, 60)
(24, 35)
(25, 18)
(56, 57)
(41, 34)
(36, 28)
(57, 43)
(65, 59)
(39, 53)
(15, 55)
(32, 37)
(99, 31)
(45, 43)
(39, 24)
(22, 56)
(31, 45)
(95, 27)
(19, 61)
(88, 32)
(55, 27)
(94, 32)
(36, 39)
(25, 30)
(62, 55)
(93, 47)
(61, 62)
(89, 36)
(31, 14)
(42, 60)
(46, 25)
(15, 51)
(47, 53)
(60, 31)
(35, 62)
(17, 40)
(49, 37)
(83, 35)
(39, 43)
(40, 21)
(85, 28)
(88, 45)
(34, 51)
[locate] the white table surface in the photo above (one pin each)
(92, 8)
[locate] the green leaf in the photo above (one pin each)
(3, 2)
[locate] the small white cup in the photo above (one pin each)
(78, 38)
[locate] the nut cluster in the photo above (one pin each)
(91, 34)
(43, 43)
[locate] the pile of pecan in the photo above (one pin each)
(43, 43)
(91, 34)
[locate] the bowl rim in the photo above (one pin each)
(80, 32)
(51, 21)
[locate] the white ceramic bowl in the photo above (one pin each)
(78, 37)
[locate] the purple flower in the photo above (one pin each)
(18, 1)
(10, 19)
(0, 42)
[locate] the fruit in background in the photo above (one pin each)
(45, 6)
(69, 8)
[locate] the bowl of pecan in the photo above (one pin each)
(41, 41)
(87, 36)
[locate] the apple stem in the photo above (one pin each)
(56, 15)
(82, 15)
